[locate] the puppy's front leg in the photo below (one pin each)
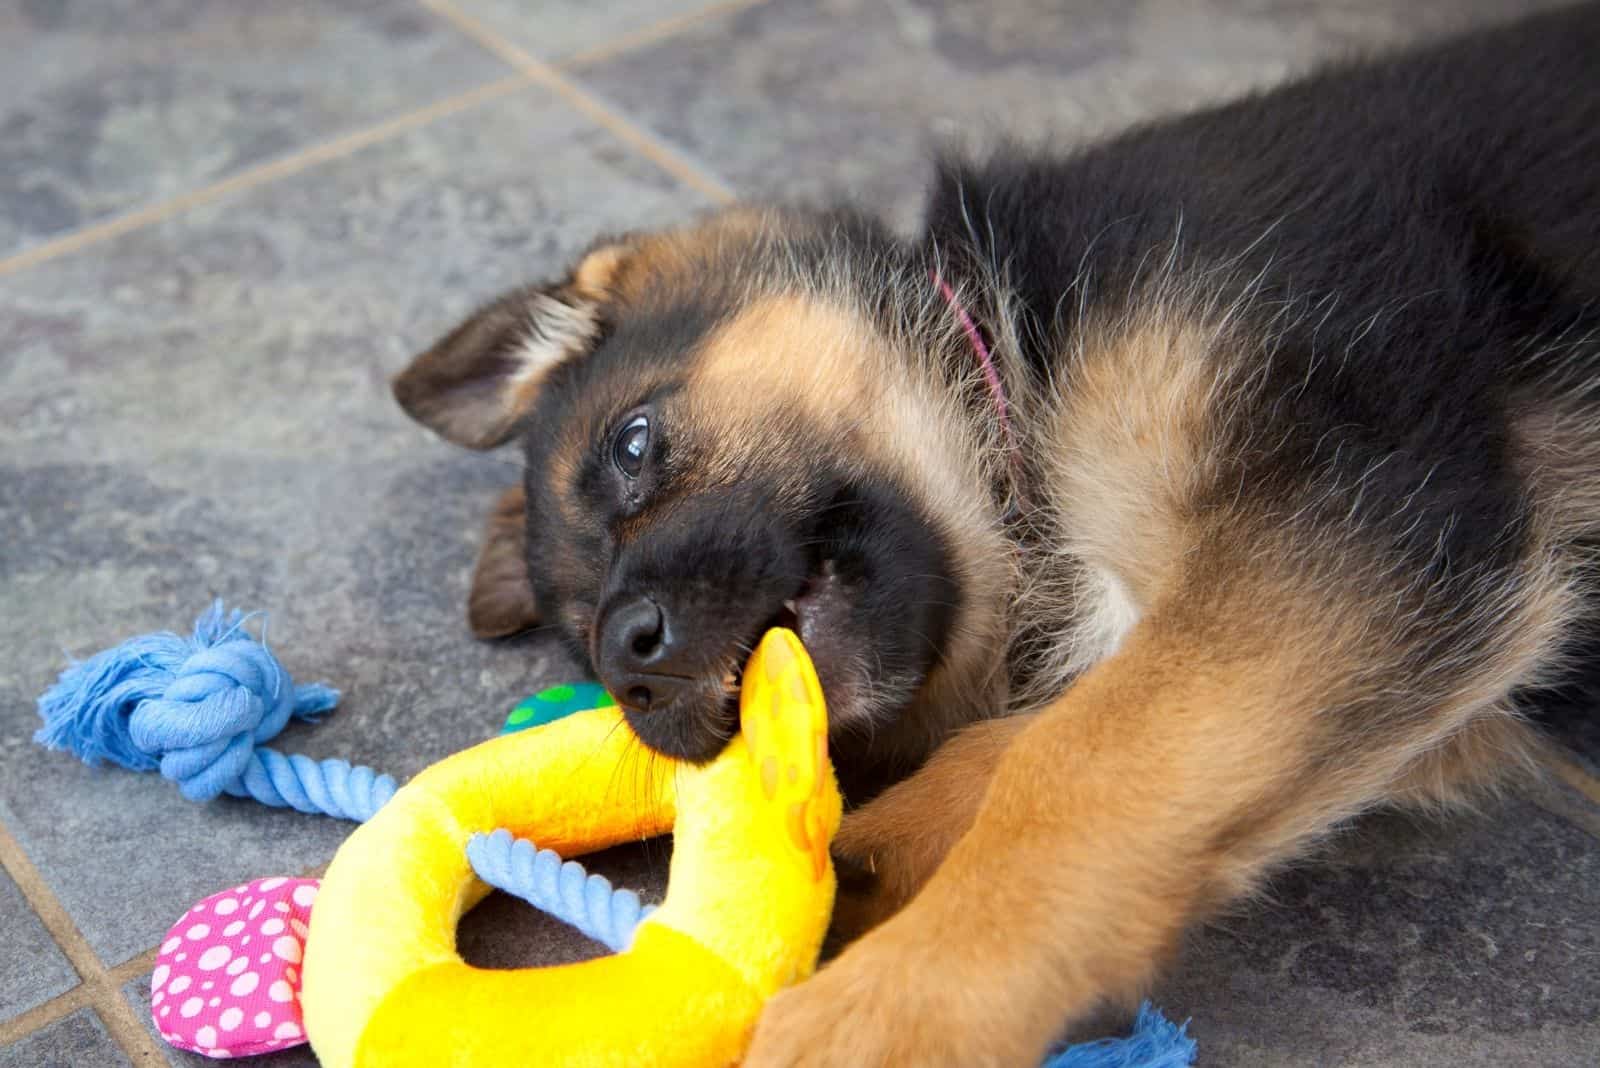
(1158, 786)
(901, 837)
(1077, 873)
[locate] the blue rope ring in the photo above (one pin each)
(562, 889)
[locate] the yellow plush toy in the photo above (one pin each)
(749, 893)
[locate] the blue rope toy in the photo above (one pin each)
(200, 710)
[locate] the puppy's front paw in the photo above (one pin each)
(886, 1002)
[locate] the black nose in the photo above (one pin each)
(638, 654)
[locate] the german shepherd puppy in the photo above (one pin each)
(1160, 508)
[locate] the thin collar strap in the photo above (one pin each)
(980, 348)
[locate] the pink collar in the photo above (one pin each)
(991, 374)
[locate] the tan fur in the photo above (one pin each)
(1213, 686)
(899, 838)
(1558, 450)
(1221, 738)
(824, 357)
(501, 601)
(1132, 437)
(1054, 897)
(1479, 759)
(837, 373)
(596, 273)
(1179, 770)
(649, 268)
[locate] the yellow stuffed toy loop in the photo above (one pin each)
(749, 893)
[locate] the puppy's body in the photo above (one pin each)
(1284, 490)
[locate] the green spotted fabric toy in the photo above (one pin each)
(549, 705)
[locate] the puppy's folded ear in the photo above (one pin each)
(501, 601)
(477, 381)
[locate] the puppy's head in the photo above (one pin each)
(727, 427)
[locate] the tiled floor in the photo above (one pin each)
(223, 225)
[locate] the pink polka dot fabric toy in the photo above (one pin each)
(227, 978)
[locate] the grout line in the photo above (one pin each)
(651, 34)
(137, 966)
(41, 1016)
(90, 992)
(281, 167)
(97, 987)
(125, 1026)
(647, 144)
(532, 71)
(47, 907)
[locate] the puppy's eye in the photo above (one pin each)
(632, 445)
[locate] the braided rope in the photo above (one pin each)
(326, 787)
(198, 710)
(562, 889)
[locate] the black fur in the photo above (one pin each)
(1362, 549)
(1403, 250)
(720, 561)
(1428, 225)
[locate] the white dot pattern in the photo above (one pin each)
(248, 1000)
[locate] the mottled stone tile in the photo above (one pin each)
(843, 98)
(1470, 943)
(559, 29)
(200, 408)
(32, 969)
(76, 1041)
(108, 105)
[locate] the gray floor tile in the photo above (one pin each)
(1472, 943)
(202, 408)
(556, 29)
(32, 969)
(76, 1041)
(106, 106)
(844, 97)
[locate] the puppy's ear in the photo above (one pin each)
(477, 381)
(501, 601)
